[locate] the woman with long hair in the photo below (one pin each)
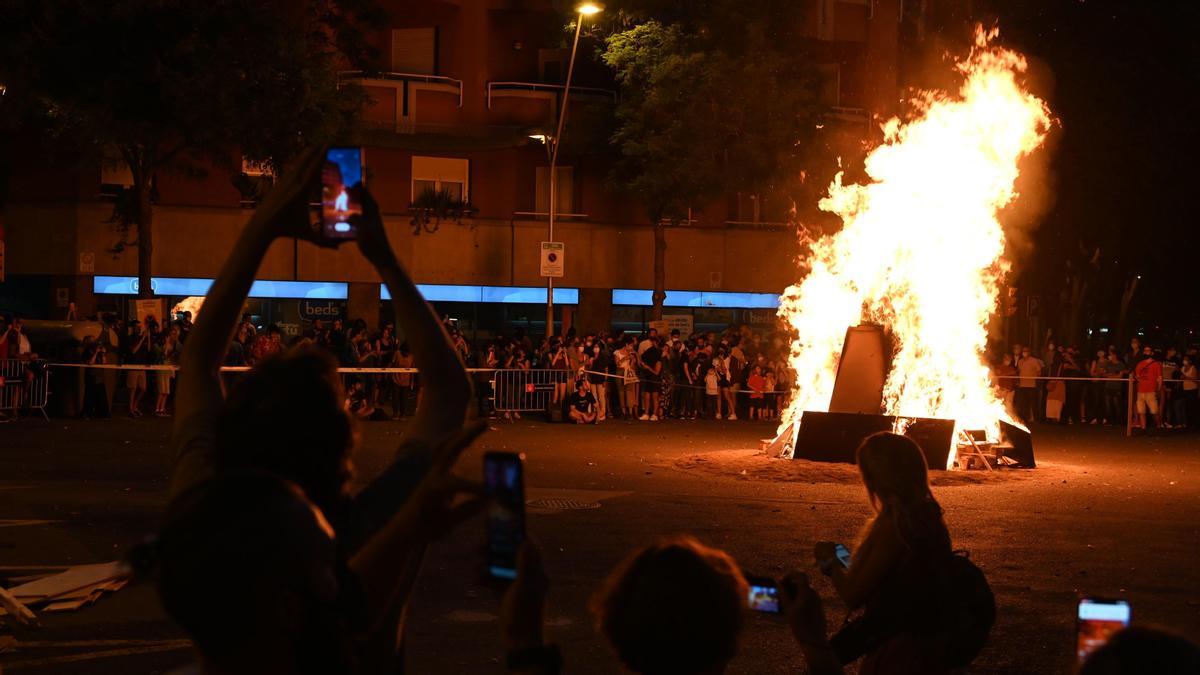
(898, 570)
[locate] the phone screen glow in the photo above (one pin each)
(1098, 621)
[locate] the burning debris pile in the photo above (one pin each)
(921, 250)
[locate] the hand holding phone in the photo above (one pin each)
(828, 555)
(1098, 620)
(764, 595)
(843, 555)
(504, 484)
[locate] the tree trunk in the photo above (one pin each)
(1073, 331)
(1123, 316)
(144, 219)
(660, 269)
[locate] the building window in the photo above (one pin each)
(254, 182)
(414, 50)
(748, 208)
(564, 184)
(550, 65)
(831, 84)
(441, 174)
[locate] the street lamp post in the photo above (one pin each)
(585, 9)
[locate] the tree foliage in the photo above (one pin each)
(717, 96)
(182, 85)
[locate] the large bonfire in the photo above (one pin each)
(921, 250)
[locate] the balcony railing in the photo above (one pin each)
(453, 85)
(497, 89)
(545, 215)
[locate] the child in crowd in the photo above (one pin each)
(758, 387)
(712, 394)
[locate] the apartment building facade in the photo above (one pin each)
(452, 156)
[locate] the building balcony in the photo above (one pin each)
(536, 103)
(404, 82)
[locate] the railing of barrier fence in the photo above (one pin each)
(527, 390)
(24, 385)
(1135, 402)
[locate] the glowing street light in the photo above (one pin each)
(584, 9)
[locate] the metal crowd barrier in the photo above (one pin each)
(24, 385)
(526, 390)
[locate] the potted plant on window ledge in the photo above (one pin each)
(432, 206)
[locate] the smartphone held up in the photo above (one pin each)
(1098, 621)
(341, 185)
(764, 595)
(504, 483)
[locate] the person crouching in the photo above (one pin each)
(581, 405)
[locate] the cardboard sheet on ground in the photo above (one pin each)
(71, 580)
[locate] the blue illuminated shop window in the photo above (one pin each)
(645, 298)
(314, 290)
(531, 295)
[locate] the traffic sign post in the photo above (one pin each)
(553, 254)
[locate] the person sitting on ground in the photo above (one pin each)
(899, 567)
(581, 405)
(256, 427)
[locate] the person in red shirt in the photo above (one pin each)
(1149, 375)
(758, 386)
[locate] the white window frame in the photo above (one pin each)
(440, 170)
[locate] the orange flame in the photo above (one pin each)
(921, 250)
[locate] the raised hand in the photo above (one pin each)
(285, 211)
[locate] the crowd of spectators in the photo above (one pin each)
(1064, 385)
(735, 374)
(153, 345)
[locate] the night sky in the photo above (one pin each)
(1126, 79)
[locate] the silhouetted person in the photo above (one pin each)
(1137, 650)
(287, 416)
(675, 606)
(248, 567)
(899, 569)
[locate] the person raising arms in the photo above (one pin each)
(255, 427)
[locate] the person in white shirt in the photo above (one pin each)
(650, 340)
(627, 392)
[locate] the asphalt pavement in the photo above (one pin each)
(1103, 515)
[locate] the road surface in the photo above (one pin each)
(1103, 515)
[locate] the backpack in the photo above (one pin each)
(972, 610)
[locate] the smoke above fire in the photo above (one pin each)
(922, 251)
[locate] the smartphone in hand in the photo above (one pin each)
(1098, 620)
(504, 483)
(764, 595)
(341, 185)
(843, 555)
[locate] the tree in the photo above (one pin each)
(715, 99)
(181, 86)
